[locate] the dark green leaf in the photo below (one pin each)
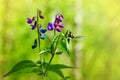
(59, 52)
(65, 78)
(59, 66)
(22, 67)
(54, 38)
(46, 50)
(57, 71)
(64, 47)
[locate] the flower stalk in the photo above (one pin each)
(53, 54)
(38, 31)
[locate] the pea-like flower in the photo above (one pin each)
(42, 33)
(30, 20)
(40, 15)
(50, 26)
(35, 44)
(58, 19)
(43, 36)
(57, 23)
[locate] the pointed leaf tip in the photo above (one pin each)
(24, 66)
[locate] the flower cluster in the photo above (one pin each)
(57, 23)
(42, 33)
(33, 22)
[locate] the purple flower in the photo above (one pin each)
(61, 25)
(33, 26)
(59, 29)
(62, 16)
(30, 20)
(40, 15)
(50, 26)
(58, 20)
(56, 25)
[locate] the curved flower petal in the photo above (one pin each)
(33, 26)
(29, 20)
(61, 25)
(43, 30)
(35, 44)
(62, 16)
(41, 16)
(43, 36)
(56, 24)
(58, 29)
(50, 26)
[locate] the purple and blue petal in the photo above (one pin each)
(43, 36)
(35, 44)
(43, 30)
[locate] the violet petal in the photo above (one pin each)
(58, 29)
(33, 26)
(61, 25)
(41, 16)
(50, 26)
(56, 24)
(29, 21)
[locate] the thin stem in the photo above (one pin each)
(53, 54)
(54, 32)
(49, 63)
(37, 24)
(57, 43)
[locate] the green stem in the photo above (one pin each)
(54, 32)
(49, 63)
(53, 54)
(37, 24)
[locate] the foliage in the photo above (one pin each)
(59, 45)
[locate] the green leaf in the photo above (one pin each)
(57, 71)
(25, 66)
(46, 50)
(54, 38)
(59, 66)
(58, 53)
(64, 47)
(67, 44)
(65, 78)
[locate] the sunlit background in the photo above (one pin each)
(97, 54)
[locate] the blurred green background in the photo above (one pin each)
(97, 54)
